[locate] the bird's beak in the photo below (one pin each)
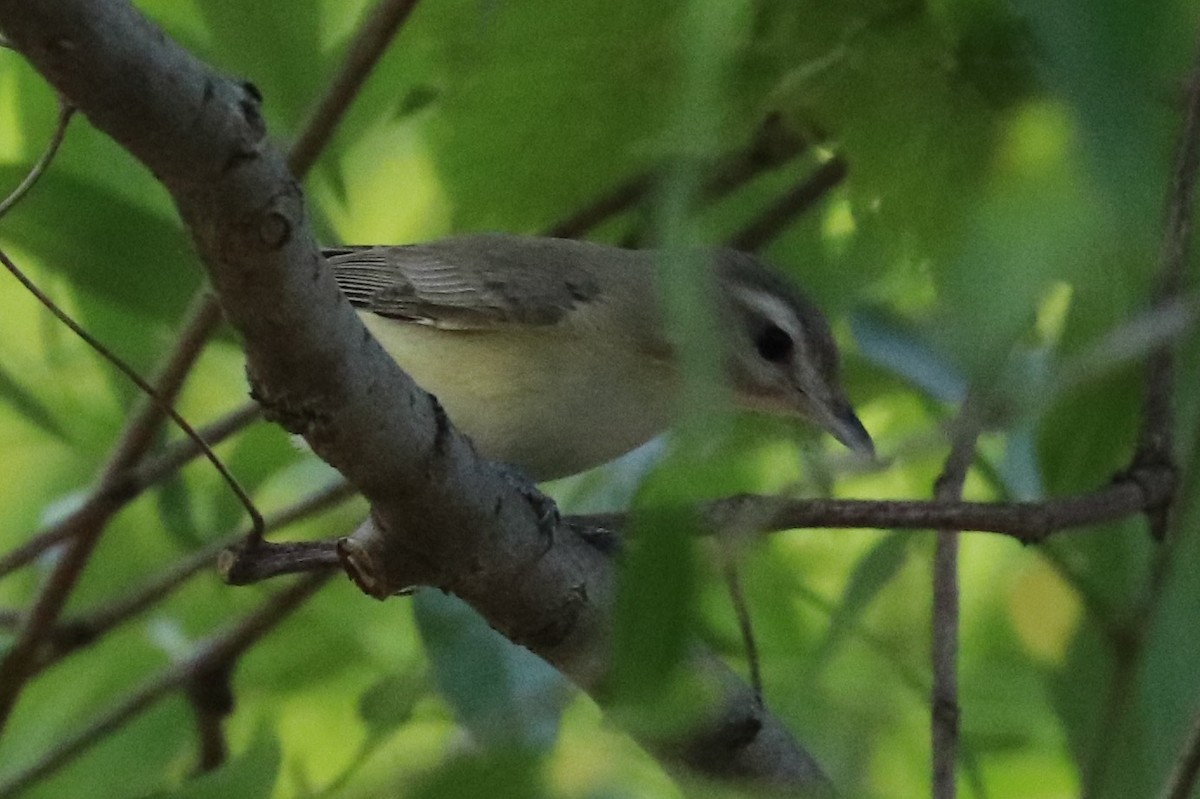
(844, 425)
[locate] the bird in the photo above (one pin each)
(552, 355)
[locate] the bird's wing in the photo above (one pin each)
(468, 283)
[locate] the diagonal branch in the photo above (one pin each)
(222, 648)
(317, 371)
(115, 487)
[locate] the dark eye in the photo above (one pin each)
(774, 344)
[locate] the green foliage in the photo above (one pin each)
(253, 773)
(1007, 163)
(502, 694)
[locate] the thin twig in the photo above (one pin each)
(741, 610)
(1183, 776)
(944, 716)
(1155, 441)
(773, 144)
(130, 484)
(65, 112)
(775, 219)
(89, 521)
(369, 45)
(1027, 522)
(224, 647)
(95, 624)
(136, 437)
(161, 465)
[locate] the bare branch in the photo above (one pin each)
(374, 36)
(772, 145)
(1155, 443)
(254, 561)
(139, 433)
(1156, 437)
(88, 522)
(1028, 522)
(222, 648)
(944, 718)
(318, 372)
(65, 112)
(775, 219)
(132, 483)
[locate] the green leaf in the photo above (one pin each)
(890, 344)
(655, 615)
(873, 572)
(496, 775)
(177, 512)
(389, 703)
(502, 693)
(29, 406)
(253, 773)
(115, 249)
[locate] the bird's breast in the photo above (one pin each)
(549, 400)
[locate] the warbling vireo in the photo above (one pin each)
(550, 354)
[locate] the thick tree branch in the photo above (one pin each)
(119, 483)
(317, 370)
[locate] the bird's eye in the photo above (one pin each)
(774, 344)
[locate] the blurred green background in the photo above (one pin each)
(999, 225)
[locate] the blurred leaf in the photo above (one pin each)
(1112, 61)
(892, 345)
(252, 773)
(29, 406)
(506, 696)
(871, 575)
(289, 70)
(538, 64)
(994, 48)
(655, 617)
(177, 512)
(496, 775)
(1019, 469)
(116, 249)
(389, 703)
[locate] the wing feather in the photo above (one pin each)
(471, 282)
